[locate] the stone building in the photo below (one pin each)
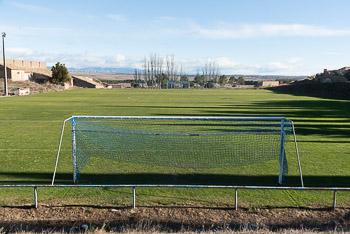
(121, 85)
(23, 70)
(270, 83)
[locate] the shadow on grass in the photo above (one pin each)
(312, 117)
(175, 179)
(339, 91)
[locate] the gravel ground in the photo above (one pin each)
(174, 219)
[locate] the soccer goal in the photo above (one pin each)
(178, 145)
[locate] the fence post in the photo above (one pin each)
(236, 199)
(35, 197)
(334, 199)
(133, 197)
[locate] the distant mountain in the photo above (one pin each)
(93, 70)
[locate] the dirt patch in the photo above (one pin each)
(77, 219)
(34, 87)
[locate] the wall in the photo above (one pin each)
(121, 85)
(28, 66)
(82, 83)
(19, 75)
(25, 64)
(270, 83)
(86, 82)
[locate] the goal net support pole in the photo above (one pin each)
(297, 154)
(59, 150)
(281, 153)
(74, 151)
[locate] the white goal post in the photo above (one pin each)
(180, 141)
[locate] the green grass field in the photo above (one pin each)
(30, 129)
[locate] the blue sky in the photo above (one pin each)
(287, 37)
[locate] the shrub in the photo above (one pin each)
(60, 74)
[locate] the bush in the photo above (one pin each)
(347, 75)
(60, 74)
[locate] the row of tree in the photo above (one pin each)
(164, 72)
(159, 72)
(221, 80)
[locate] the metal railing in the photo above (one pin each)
(135, 186)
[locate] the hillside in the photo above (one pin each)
(334, 84)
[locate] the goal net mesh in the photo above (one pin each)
(178, 145)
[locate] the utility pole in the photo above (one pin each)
(6, 91)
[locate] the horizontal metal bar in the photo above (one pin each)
(228, 133)
(170, 186)
(178, 117)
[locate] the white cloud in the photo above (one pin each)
(120, 58)
(333, 53)
(227, 65)
(116, 17)
(23, 31)
(77, 60)
(92, 60)
(19, 51)
(228, 31)
(289, 66)
(29, 7)
(225, 62)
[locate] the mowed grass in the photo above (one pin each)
(30, 128)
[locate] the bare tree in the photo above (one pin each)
(161, 72)
(137, 77)
(171, 71)
(210, 72)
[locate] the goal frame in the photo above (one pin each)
(281, 159)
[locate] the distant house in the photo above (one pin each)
(270, 83)
(121, 85)
(182, 84)
(244, 86)
(23, 70)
